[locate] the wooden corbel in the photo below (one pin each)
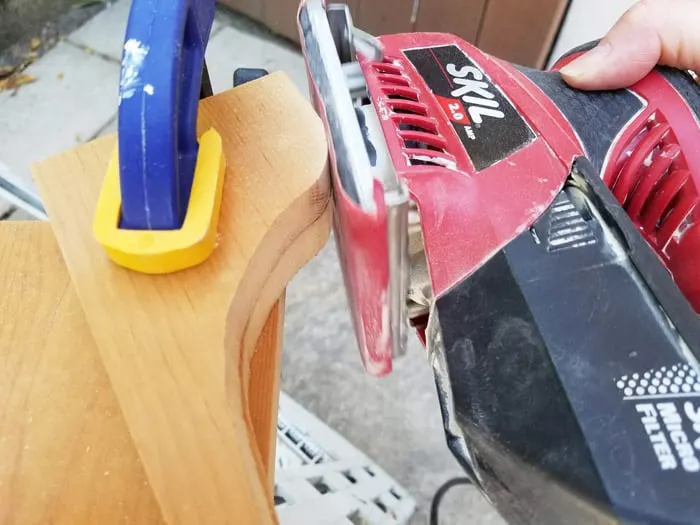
(179, 350)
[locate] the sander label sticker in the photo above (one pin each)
(667, 403)
(486, 122)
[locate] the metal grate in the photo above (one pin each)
(321, 478)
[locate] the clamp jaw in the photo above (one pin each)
(159, 205)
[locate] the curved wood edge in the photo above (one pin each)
(265, 387)
(178, 348)
(254, 393)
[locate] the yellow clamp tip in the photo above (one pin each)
(161, 252)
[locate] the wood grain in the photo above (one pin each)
(384, 17)
(281, 17)
(457, 17)
(264, 390)
(65, 452)
(178, 348)
(66, 456)
(521, 31)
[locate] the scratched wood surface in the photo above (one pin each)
(178, 349)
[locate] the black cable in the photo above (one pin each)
(437, 498)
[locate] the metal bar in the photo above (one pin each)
(20, 196)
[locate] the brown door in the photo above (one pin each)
(252, 8)
(281, 17)
(458, 17)
(521, 31)
(384, 17)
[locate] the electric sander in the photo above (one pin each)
(542, 242)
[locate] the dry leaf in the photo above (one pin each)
(6, 71)
(15, 81)
(35, 43)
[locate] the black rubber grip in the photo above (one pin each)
(243, 75)
(597, 116)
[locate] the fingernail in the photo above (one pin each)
(588, 62)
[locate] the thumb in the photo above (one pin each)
(651, 32)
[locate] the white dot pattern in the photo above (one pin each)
(677, 379)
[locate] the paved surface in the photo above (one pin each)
(395, 421)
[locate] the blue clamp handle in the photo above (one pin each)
(159, 92)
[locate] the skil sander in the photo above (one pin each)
(543, 242)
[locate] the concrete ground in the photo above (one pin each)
(396, 420)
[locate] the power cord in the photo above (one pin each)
(440, 493)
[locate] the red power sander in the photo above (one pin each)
(543, 242)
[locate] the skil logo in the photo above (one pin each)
(474, 92)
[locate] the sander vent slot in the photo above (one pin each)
(401, 106)
(567, 227)
(416, 129)
(398, 80)
(654, 183)
(415, 123)
(387, 68)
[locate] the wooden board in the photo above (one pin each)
(521, 31)
(457, 17)
(178, 348)
(251, 8)
(264, 390)
(281, 17)
(66, 456)
(384, 17)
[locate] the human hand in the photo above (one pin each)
(664, 32)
